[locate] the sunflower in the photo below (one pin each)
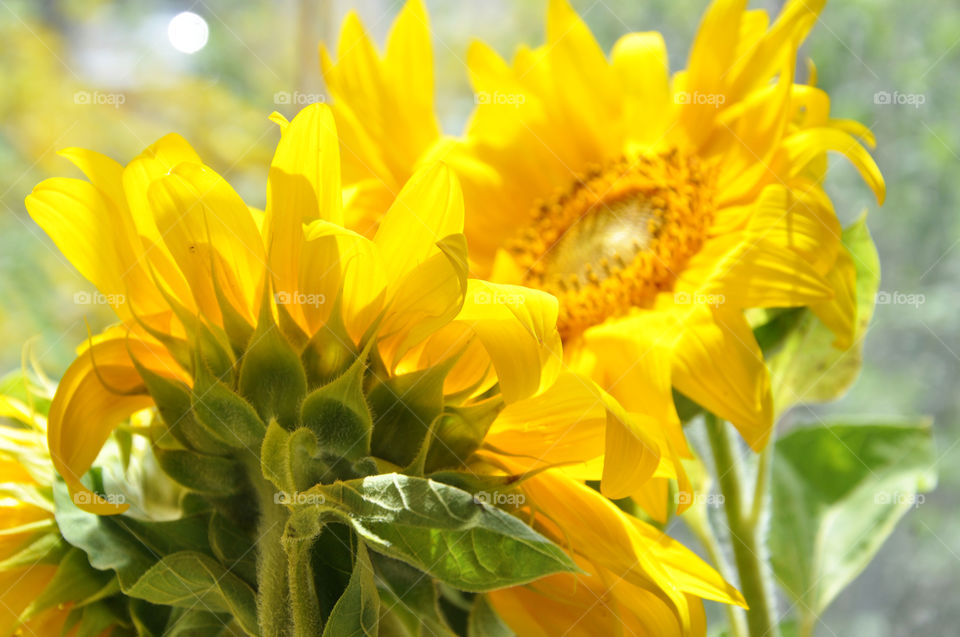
(33, 597)
(657, 209)
(232, 318)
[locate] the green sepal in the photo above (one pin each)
(271, 375)
(212, 475)
(190, 579)
(236, 328)
(358, 610)
(338, 415)
(75, 582)
(233, 547)
(484, 621)
(403, 408)
(44, 548)
(227, 414)
(409, 598)
(459, 432)
(173, 400)
(288, 460)
(330, 351)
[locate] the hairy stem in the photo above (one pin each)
(273, 592)
(743, 533)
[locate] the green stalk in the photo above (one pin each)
(743, 531)
(273, 592)
(305, 606)
(699, 525)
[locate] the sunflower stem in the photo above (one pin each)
(273, 591)
(747, 551)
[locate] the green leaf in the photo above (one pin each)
(124, 544)
(271, 375)
(484, 621)
(837, 493)
(443, 531)
(358, 610)
(190, 579)
(809, 368)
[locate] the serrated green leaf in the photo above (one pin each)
(190, 579)
(358, 610)
(837, 493)
(809, 368)
(443, 531)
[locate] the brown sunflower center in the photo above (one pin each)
(616, 237)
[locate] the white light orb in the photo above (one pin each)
(188, 32)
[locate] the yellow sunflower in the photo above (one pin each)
(656, 208)
(217, 301)
(30, 542)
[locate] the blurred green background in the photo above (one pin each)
(67, 65)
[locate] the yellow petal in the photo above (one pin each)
(308, 153)
(518, 329)
(428, 209)
(207, 225)
(642, 68)
(85, 411)
(805, 146)
(718, 364)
